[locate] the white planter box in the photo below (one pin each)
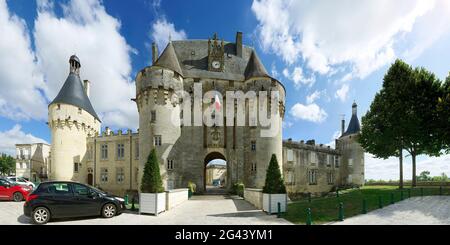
(270, 202)
(176, 197)
(152, 203)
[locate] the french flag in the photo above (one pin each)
(217, 103)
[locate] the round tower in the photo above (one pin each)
(71, 119)
(159, 111)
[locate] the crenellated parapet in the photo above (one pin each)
(73, 118)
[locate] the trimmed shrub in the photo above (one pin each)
(274, 181)
(151, 179)
(238, 189)
(192, 186)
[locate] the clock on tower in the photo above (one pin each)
(215, 54)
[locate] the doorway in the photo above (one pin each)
(215, 174)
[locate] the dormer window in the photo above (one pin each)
(58, 107)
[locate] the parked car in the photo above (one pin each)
(12, 191)
(22, 181)
(63, 199)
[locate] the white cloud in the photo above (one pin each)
(335, 136)
(313, 97)
(342, 93)
(87, 30)
(20, 81)
(310, 112)
(15, 135)
(287, 124)
(162, 30)
(298, 77)
(361, 35)
(388, 169)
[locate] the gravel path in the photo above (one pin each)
(201, 210)
(430, 210)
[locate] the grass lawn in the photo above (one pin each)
(325, 209)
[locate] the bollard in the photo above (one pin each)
(364, 208)
(421, 191)
(401, 195)
(309, 197)
(132, 204)
(308, 216)
(409, 193)
(341, 212)
(392, 198)
(279, 210)
(126, 199)
(337, 193)
(380, 202)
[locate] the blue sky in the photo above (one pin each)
(327, 54)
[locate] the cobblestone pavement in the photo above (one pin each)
(430, 210)
(200, 210)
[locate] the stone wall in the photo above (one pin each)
(254, 196)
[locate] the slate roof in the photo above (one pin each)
(192, 57)
(72, 93)
(353, 126)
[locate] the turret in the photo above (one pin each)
(352, 167)
(71, 119)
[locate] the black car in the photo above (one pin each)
(61, 199)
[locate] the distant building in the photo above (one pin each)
(33, 161)
(216, 174)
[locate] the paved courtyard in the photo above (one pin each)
(430, 210)
(200, 210)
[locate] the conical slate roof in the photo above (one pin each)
(73, 93)
(169, 60)
(353, 126)
(255, 68)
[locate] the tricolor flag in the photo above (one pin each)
(217, 103)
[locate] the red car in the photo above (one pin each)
(13, 191)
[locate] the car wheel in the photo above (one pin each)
(17, 197)
(109, 210)
(40, 215)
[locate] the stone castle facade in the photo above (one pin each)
(114, 161)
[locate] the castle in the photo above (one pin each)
(114, 161)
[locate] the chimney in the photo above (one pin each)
(87, 87)
(342, 125)
(154, 53)
(239, 44)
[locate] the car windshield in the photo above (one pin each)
(98, 190)
(21, 180)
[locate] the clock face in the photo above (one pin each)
(215, 64)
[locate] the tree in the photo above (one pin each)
(151, 179)
(7, 164)
(443, 115)
(402, 116)
(424, 176)
(274, 181)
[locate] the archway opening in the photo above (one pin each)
(215, 174)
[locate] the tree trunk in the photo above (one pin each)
(400, 159)
(414, 177)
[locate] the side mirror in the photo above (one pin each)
(7, 185)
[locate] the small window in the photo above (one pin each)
(330, 160)
(290, 178)
(253, 145)
(253, 168)
(120, 175)
(336, 161)
(104, 151)
(350, 162)
(58, 107)
(157, 140)
(312, 177)
(330, 178)
(120, 151)
(80, 110)
(75, 167)
(290, 155)
(313, 158)
(169, 164)
(153, 116)
(104, 175)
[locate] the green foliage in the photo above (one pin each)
(443, 115)
(424, 176)
(151, 179)
(7, 164)
(404, 115)
(238, 189)
(274, 181)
